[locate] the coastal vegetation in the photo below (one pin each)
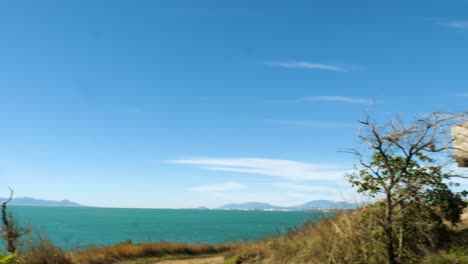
(127, 251)
(411, 183)
(359, 237)
(347, 238)
(416, 217)
(44, 252)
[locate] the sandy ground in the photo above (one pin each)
(200, 260)
(210, 260)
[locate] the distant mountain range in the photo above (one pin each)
(312, 205)
(249, 206)
(27, 201)
(325, 204)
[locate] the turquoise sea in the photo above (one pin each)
(73, 228)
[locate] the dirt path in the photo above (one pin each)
(199, 260)
(209, 260)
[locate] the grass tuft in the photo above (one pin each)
(42, 251)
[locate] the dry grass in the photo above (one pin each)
(134, 251)
(355, 237)
(464, 220)
(209, 259)
(343, 239)
(358, 238)
(42, 251)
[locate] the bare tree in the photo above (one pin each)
(10, 232)
(408, 164)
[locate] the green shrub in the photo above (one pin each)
(457, 256)
(233, 259)
(7, 259)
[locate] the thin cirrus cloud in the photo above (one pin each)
(338, 99)
(287, 169)
(306, 123)
(227, 186)
(306, 65)
(456, 24)
(328, 99)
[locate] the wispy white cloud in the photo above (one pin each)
(289, 169)
(327, 99)
(461, 24)
(227, 186)
(306, 123)
(307, 65)
(308, 188)
(338, 99)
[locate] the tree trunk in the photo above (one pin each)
(400, 243)
(10, 235)
(389, 231)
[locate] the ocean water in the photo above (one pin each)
(73, 228)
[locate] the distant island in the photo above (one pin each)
(28, 201)
(312, 205)
(315, 205)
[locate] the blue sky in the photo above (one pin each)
(190, 103)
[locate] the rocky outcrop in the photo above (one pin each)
(460, 143)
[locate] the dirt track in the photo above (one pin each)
(200, 260)
(210, 260)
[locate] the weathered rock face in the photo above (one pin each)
(460, 142)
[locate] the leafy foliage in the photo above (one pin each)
(405, 169)
(7, 259)
(414, 181)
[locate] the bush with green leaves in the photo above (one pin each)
(7, 259)
(404, 165)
